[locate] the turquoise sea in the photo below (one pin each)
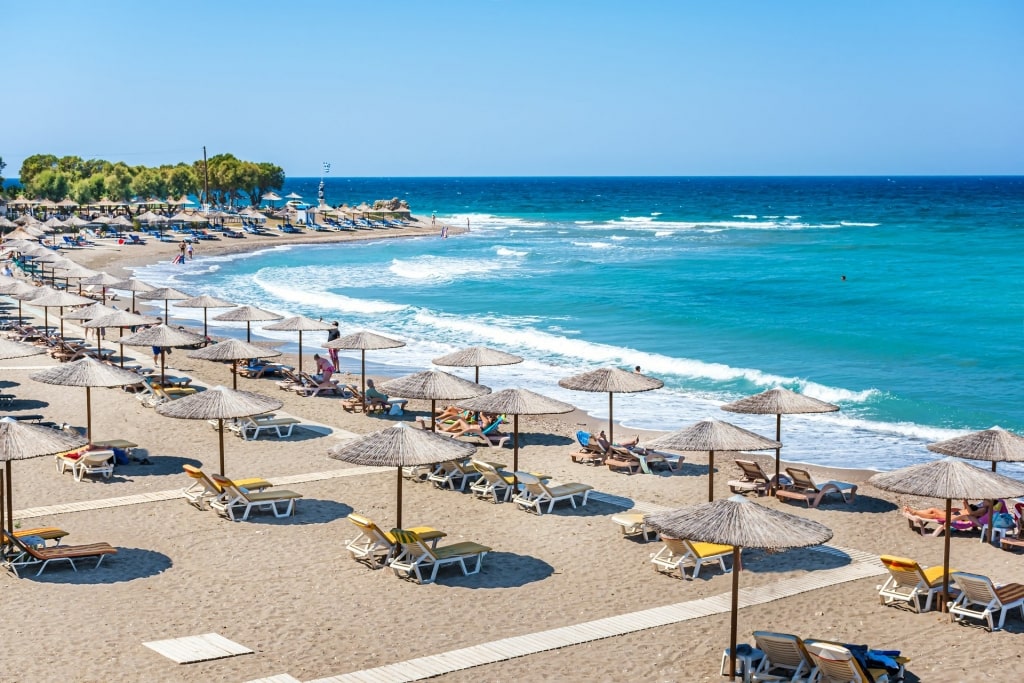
(898, 298)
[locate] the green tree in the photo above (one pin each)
(50, 184)
(2, 167)
(262, 178)
(34, 165)
(89, 189)
(180, 179)
(117, 182)
(148, 182)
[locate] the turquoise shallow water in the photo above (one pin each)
(897, 298)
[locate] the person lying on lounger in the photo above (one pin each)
(484, 425)
(966, 513)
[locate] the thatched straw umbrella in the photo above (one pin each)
(741, 523)
(433, 385)
(516, 402)
(89, 312)
(205, 301)
(59, 299)
(613, 381)
(476, 357)
(12, 349)
(951, 479)
(165, 294)
(995, 445)
(778, 402)
(300, 324)
(247, 315)
(232, 350)
(19, 291)
(88, 373)
(134, 286)
(162, 336)
(104, 280)
(219, 403)
(711, 436)
(20, 441)
(118, 319)
(401, 446)
(364, 341)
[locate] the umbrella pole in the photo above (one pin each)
(944, 597)
(398, 516)
(205, 334)
(10, 496)
(122, 355)
(167, 315)
(3, 511)
(220, 432)
(133, 301)
(163, 365)
(19, 312)
(248, 332)
(515, 452)
(300, 354)
(735, 610)
(88, 414)
(234, 374)
(46, 321)
(993, 465)
(477, 380)
(611, 420)
(433, 412)
(362, 368)
(711, 476)
(97, 334)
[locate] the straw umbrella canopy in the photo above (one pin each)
(59, 299)
(401, 446)
(951, 479)
(122, 221)
(516, 402)
(247, 315)
(162, 336)
(364, 341)
(12, 349)
(165, 294)
(232, 350)
(5, 224)
(205, 301)
(89, 312)
(613, 381)
(103, 280)
(134, 286)
(119, 319)
(293, 195)
(475, 357)
(740, 523)
(711, 436)
(300, 324)
(435, 386)
(219, 403)
(995, 445)
(20, 292)
(778, 402)
(20, 441)
(88, 373)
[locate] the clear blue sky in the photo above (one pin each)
(522, 87)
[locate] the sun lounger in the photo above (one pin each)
(236, 497)
(453, 474)
(804, 489)
(634, 524)
(259, 423)
(835, 662)
(928, 526)
(309, 386)
(785, 658)
(417, 555)
(377, 547)
(590, 452)
(535, 493)
(38, 536)
(25, 555)
(86, 462)
(492, 482)
(203, 489)
(980, 599)
(908, 581)
(679, 552)
(754, 479)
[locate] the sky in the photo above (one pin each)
(522, 87)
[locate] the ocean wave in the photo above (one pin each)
(437, 269)
(747, 216)
(619, 238)
(505, 251)
(852, 224)
(583, 222)
(663, 233)
(316, 301)
(593, 245)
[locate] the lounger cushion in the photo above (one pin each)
(457, 549)
(710, 549)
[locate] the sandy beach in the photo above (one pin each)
(288, 590)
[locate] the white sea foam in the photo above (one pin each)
(663, 233)
(429, 268)
(294, 291)
(619, 238)
(593, 245)
(747, 216)
(583, 222)
(852, 224)
(655, 213)
(505, 251)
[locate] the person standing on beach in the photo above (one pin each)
(190, 250)
(333, 334)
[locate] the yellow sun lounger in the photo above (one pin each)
(908, 581)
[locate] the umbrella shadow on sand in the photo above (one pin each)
(593, 508)
(127, 565)
(17, 404)
(543, 439)
(160, 465)
(500, 570)
(307, 511)
(760, 561)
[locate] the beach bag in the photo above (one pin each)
(396, 409)
(1003, 520)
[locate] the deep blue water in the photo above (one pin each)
(899, 298)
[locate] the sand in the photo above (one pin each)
(287, 589)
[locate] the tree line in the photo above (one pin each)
(231, 180)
